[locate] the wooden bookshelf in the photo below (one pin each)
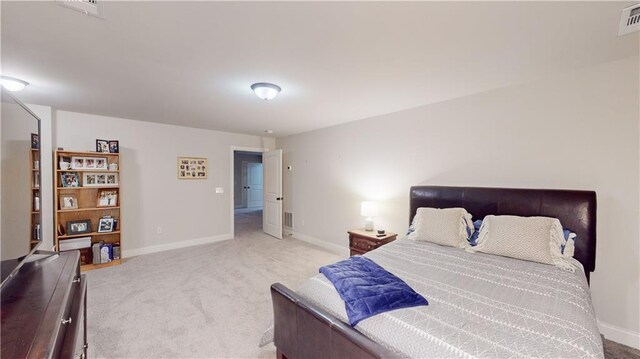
(86, 201)
(34, 175)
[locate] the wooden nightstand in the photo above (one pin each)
(361, 241)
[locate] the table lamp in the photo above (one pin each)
(368, 209)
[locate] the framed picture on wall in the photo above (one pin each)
(193, 168)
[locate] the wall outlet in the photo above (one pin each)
(159, 230)
(219, 190)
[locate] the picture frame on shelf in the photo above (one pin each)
(77, 163)
(101, 163)
(90, 179)
(102, 146)
(114, 146)
(107, 198)
(35, 141)
(192, 168)
(68, 201)
(105, 225)
(89, 163)
(79, 227)
(69, 180)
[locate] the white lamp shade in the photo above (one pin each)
(369, 209)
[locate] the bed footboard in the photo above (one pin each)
(302, 330)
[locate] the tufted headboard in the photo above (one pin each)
(576, 210)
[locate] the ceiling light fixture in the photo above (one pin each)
(266, 91)
(12, 84)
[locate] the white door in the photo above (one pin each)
(272, 212)
(254, 185)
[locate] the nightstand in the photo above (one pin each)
(361, 241)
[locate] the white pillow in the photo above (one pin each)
(536, 239)
(448, 226)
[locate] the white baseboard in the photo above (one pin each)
(126, 253)
(334, 248)
(620, 335)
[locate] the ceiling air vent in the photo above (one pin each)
(630, 20)
(87, 7)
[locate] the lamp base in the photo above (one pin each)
(368, 224)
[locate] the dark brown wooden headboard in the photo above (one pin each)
(576, 210)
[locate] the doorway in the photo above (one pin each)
(248, 195)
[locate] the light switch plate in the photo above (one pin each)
(219, 190)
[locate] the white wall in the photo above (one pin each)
(577, 130)
(189, 211)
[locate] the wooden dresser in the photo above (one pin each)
(44, 309)
(361, 241)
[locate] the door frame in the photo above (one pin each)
(234, 148)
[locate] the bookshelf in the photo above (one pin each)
(88, 187)
(34, 168)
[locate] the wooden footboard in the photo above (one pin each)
(302, 330)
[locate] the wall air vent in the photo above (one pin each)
(288, 219)
(629, 20)
(87, 7)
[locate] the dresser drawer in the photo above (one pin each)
(363, 244)
(74, 344)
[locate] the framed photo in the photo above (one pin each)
(192, 168)
(102, 146)
(105, 225)
(77, 163)
(114, 146)
(68, 201)
(35, 141)
(79, 227)
(89, 163)
(69, 179)
(101, 163)
(90, 179)
(107, 198)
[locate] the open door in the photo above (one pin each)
(272, 211)
(254, 185)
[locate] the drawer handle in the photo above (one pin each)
(66, 321)
(76, 280)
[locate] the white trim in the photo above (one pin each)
(334, 248)
(620, 335)
(126, 253)
(231, 186)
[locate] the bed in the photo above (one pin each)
(481, 305)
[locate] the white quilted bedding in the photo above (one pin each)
(480, 306)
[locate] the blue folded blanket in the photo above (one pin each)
(368, 289)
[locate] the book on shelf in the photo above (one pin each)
(75, 243)
(116, 251)
(95, 248)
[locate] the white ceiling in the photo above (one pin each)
(191, 63)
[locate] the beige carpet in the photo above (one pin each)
(209, 301)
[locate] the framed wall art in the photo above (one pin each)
(192, 168)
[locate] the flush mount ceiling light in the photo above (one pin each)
(12, 84)
(266, 91)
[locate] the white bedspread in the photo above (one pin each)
(480, 305)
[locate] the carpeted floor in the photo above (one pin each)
(209, 301)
